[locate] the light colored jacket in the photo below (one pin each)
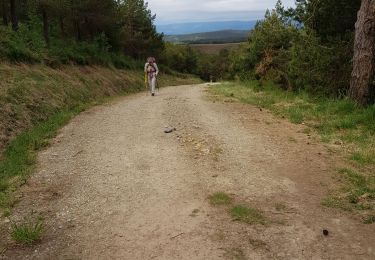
(156, 72)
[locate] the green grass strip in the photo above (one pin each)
(20, 156)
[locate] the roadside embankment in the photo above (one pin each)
(36, 100)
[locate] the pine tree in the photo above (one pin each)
(138, 33)
(362, 81)
(13, 14)
(329, 18)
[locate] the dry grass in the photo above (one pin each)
(220, 198)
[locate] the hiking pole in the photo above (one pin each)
(146, 84)
(157, 84)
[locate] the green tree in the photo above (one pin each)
(329, 18)
(138, 33)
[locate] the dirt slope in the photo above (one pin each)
(114, 186)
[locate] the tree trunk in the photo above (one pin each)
(361, 84)
(4, 13)
(62, 26)
(13, 15)
(78, 30)
(45, 26)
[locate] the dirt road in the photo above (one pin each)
(114, 186)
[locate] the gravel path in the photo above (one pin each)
(114, 186)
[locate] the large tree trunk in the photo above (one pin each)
(13, 15)
(364, 54)
(45, 26)
(4, 12)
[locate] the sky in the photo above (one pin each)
(175, 11)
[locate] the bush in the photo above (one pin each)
(180, 58)
(294, 57)
(266, 54)
(25, 45)
(320, 68)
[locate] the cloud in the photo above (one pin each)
(210, 10)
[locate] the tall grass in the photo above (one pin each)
(27, 233)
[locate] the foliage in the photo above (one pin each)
(24, 45)
(267, 53)
(331, 19)
(83, 32)
(138, 35)
(320, 69)
(185, 59)
(180, 58)
(308, 47)
(240, 67)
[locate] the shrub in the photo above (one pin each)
(266, 54)
(294, 57)
(320, 68)
(27, 233)
(25, 45)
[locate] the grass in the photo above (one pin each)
(20, 156)
(238, 212)
(340, 123)
(27, 233)
(220, 198)
(247, 215)
(7, 212)
(332, 118)
(370, 220)
(357, 193)
(362, 158)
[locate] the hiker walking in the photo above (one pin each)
(151, 71)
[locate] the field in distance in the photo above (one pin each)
(214, 48)
(215, 37)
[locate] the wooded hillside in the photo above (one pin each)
(77, 30)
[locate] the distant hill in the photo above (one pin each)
(214, 48)
(200, 27)
(224, 36)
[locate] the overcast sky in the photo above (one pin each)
(172, 11)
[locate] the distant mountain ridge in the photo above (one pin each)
(223, 36)
(202, 27)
